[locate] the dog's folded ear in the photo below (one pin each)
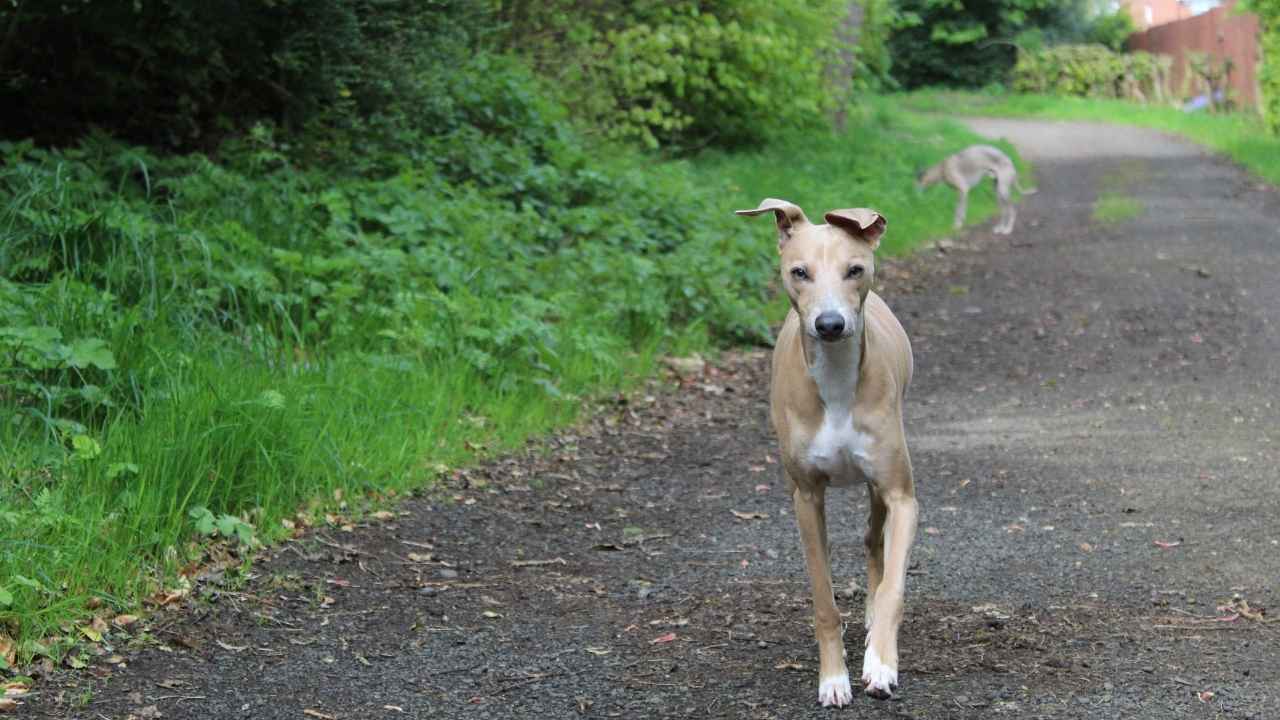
(790, 217)
(863, 223)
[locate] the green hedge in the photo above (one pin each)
(1090, 71)
(1268, 12)
(685, 74)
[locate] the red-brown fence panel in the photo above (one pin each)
(1221, 32)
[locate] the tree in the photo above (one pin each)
(974, 42)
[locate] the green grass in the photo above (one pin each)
(1240, 136)
(1110, 207)
(248, 344)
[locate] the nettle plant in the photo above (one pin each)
(56, 379)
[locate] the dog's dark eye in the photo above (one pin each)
(855, 271)
(799, 273)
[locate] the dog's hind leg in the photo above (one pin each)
(1005, 199)
(833, 675)
(962, 208)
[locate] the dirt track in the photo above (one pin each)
(1083, 391)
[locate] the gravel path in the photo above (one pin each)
(1094, 430)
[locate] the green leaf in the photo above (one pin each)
(6, 597)
(85, 447)
(120, 469)
(91, 351)
(204, 519)
(28, 582)
(273, 399)
(227, 525)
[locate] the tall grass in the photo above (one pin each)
(180, 335)
(1242, 136)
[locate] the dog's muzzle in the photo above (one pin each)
(829, 326)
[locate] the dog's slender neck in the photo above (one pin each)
(835, 366)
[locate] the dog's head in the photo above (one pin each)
(826, 269)
(926, 177)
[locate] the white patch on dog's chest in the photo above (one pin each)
(837, 449)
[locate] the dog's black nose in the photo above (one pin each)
(829, 325)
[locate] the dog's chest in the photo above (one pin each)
(837, 449)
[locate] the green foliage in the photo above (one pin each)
(683, 74)
(974, 43)
(1111, 29)
(227, 526)
(1268, 12)
(874, 61)
(1089, 71)
(184, 72)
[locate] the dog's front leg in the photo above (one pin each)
(833, 675)
(880, 664)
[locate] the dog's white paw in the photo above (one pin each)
(835, 691)
(878, 679)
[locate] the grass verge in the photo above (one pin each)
(278, 362)
(1240, 136)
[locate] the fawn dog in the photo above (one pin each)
(841, 365)
(966, 169)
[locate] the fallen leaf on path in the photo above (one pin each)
(317, 714)
(932, 531)
(150, 712)
(1086, 547)
(124, 620)
(749, 515)
(1166, 545)
(491, 614)
(788, 665)
(663, 639)
(231, 648)
(384, 515)
(421, 557)
(397, 708)
(762, 488)
(8, 705)
(91, 633)
(599, 650)
(1205, 696)
(16, 689)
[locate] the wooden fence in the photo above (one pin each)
(1223, 33)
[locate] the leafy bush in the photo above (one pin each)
(689, 73)
(1112, 29)
(974, 43)
(1090, 71)
(184, 72)
(1268, 12)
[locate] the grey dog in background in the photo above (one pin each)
(967, 168)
